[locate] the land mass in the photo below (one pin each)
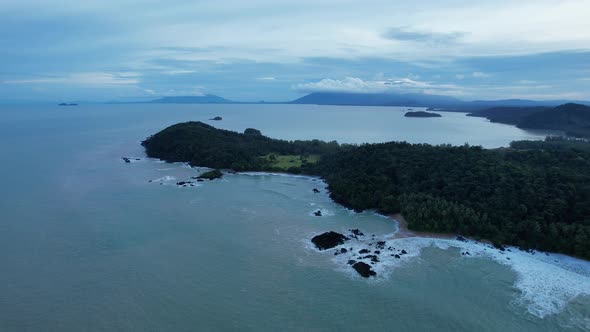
(535, 194)
(422, 114)
(573, 119)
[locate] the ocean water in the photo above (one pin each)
(88, 243)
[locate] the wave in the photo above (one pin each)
(547, 282)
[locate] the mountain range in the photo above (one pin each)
(380, 99)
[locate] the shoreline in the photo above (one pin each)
(404, 232)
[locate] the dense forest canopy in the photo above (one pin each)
(533, 195)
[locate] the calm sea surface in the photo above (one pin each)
(88, 243)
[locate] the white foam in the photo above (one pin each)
(308, 177)
(325, 213)
(167, 178)
(547, 283)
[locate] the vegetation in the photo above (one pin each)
(286, 162)
(211, 175)
(574, 119)
(533, 195)
(422, 114)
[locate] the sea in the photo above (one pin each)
(89, 242)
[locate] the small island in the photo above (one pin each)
(211, 175)
(422, 114)
(217, 118)
(67, 104)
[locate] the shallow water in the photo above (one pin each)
(87, 243)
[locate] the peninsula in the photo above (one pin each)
(535, 195)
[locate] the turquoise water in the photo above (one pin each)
(87, 243)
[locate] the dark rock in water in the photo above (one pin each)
(364, 251)
(377, 252)
(183, 183)
(381, 245)
(137, 159)
(328, 240)
(373, 258)
(217, 118)
(315, 190)
(350, 262)
(200, 180)
(404, 252)
(462, 239)
(364, 269)
(343, 250)
(397, 256)
(125, 159)
(508, 258)
(356, 232)
(318, 213)
(466, 253)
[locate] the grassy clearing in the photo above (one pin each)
(287, 161)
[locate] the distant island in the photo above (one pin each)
(573, 119)
(535, 194)
(422, 114)
(67, 104)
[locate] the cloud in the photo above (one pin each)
(407, 34)
(266, 78)
(479, 74)
(94, 79)
(392, 85)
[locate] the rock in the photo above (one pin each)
(343, 250)
(381, 245)
(350, 262)
(211, 175)
(397, 256)
(373, 258)
(377, 252)
(364, 251)
(404, 252)
(200, 180)
(364, 269)
(356, 232)
(328, 240)
(315, 190)
(462, 239)
(182, 183)
(125, 159)
(318, 213)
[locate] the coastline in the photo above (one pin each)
(404, 232)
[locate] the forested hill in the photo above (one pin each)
(534, 195)
(574, 119)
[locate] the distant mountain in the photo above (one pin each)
(418, 100)
(574, 119)
(205, 99)
(378, 99)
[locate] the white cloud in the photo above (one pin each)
(358, 85)
(266, 78)
(93, 79)
(479, 74)
(460, 76)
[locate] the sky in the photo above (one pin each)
(278, 50)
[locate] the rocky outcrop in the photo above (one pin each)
(328, 240)
(364, 269)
